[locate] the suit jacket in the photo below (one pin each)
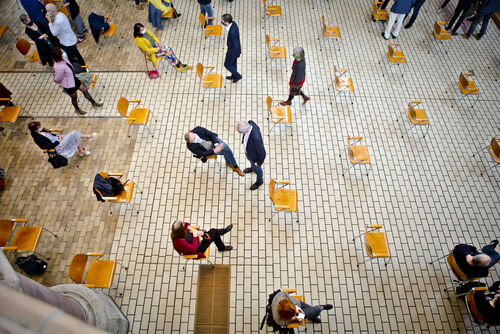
(233, 41)
(255, 145)
(204, 134)
(402, 6)
(490, 7)
(43, 142)
(460, 253)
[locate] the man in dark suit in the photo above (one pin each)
(203, 143)
(488, 8)
(233, 47)
(473, 263)
(254, 149)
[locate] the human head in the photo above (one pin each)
(227, 19)
(481, 260)
(298, 53)
(138, 30)
(34, 126)
(178, 230)
(286, 309)
(25, 19)
(51, 9)
(242, 127)
(57, 55)
(189, 137)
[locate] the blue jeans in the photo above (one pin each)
(260, 174)
(227, 153)
(310, 311)
(490, 250)
(208, 11)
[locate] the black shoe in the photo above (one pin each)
(393, 36)
(408, 26)
(248, 170)
(327, 306)
(477, 37)
(383, 35)
(494, 243)
(228, 248)
(228, 228)
(454, 33)
(237, 79)
(316, 320)
(465, 36)
(229, 77)
(256, 185)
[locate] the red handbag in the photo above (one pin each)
(154, 72)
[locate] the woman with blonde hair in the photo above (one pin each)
(287, 309)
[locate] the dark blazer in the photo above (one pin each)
(490, 7)
(233, 41)
(44, 50)
(204, 134)
(460, 253)
(255, 145)
(402, 6)
(43, 142)
(298, 72)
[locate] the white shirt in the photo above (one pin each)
(227, 28)
(61, 28)
(245, 138)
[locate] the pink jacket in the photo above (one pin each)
(64, 75)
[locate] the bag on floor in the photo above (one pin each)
(57, 160)
(153, 74)
(31, 265)
(268, 317)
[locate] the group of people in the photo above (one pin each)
(475, 10)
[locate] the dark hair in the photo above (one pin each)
(33, 126)
(137, 29)
(57, 54)
(23, 17)
(286, 309)
(178, 230)
(227, 18)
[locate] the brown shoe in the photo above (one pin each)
(306, 98)
(139, 7)
(239, 171)
(286, 103)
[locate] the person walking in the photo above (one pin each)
(254, 150)
(399, 10)
(488, 8)
(233, 47)
(463, 10)
(416, 9)
(207, 10)
(61, 28)
(298, 77)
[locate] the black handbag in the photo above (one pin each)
(57, 160)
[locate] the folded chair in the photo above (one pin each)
(271, 10)
(279, 114)
(342, 83)
(101, 273)
(494, 150)
(137, 116)
(376, 244)
(23, 46)
(283, 199)
(357, 154)
(416, 116)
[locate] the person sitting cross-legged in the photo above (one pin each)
(203, 143)
(188, 240)
(287, 309)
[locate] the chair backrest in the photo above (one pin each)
(463, 80)
(272, 185)
(6, 227)
(459, 274)
(201, 18)
(391, 51)
(77, 267)
(411, 111)
(477, 317)
(122, 106)
(269, 102)
(495, 147)
(337, 81)
(437, 29)
(199, 70)
(23, 46)
(267, 40)
(323, 21)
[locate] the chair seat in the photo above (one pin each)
(214, 81)
(286, 198)
(332, 32)
(300, 323)
(277, 52)
(141, 116)
(101, 274)
(10, 114)
(281, 114)
(126, 195)
(273, 10)
(377, 244)
(470, 89)
(110, 31)
(421, 117)
(359, 154)
(398, 57)
(6, 227)
(206, 254)
(345, 84)
(34, 57)
(442, 36)
(3, 29)
(27, 238)
(213, 30)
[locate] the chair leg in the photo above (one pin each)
(121, 265)
(442, 257)
(360, 263)
(349, 168)
(128, 130)
(480, 150)
(427, 130)
(55, 235)
(297, 214)
(273, 214)
(487, 169)
(133, 207)
(213, 266)
(45, 257)
(138, 187)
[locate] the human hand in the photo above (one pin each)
(256, 164)
(60, 137)
(66, 4)
(218, 148)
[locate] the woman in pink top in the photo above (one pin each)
(188, 240)
(65, 77)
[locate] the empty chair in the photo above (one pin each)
(24, 48)
(273, 50)
(357, 154)
(379, 14)
(417, 116)
(494, 150)
(3, 30)
(342, 83)
(125, 196)
(270, 9)
(395, 55)
(100, 274)
(137, 116)
(210, 29)
(25, 238)
(279, 114)
(328, 30)
(209, 80)
(467, 86)
(9, 113)
(441, 34)
(376, 243)
(283, 199)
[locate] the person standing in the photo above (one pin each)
(488, 8)
(298, 77)
(416, 8)
(35, 10)
(207, 10)
(254, 150)
(74, 12)
(39, 35)
(61, 28)
(233, 47)
(462, 11)
(399, 10)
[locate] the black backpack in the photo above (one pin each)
(269, 317)
(107, 187)
(31, 264)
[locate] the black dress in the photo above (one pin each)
(43, 46)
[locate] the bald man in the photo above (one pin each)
(254, 150)
(475, 264)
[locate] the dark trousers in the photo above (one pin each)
(73, 55)
(291, 96)
(230, 63)
(485, 18)
(416, 8)
(386, 2)
(459, 10)
(445, 3)
(215, 234)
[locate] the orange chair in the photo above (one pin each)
(209, 157)
(10, 113)
(358, 154)
(467, 87)
(101, 273)
(3, 30)
(494, 150)
(330, 31)
(206, 254)
(342, 82)
(271, 10)
(273, 50)
(416, 116)
(125, 196)
(476, 316)
(209, 80)
(112, 29)
(283, 199)
(23, 46)
(137, 116)
(379, 14)
(376, 244)
(211, 29)
(278, 114)
(395, 55)
(441, 34)
(25, 239)
(302, 299)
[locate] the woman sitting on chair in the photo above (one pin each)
(65, 145)
(287, 309)
(151, 47)
(488, 304)
(164, 5)
(187, 240)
